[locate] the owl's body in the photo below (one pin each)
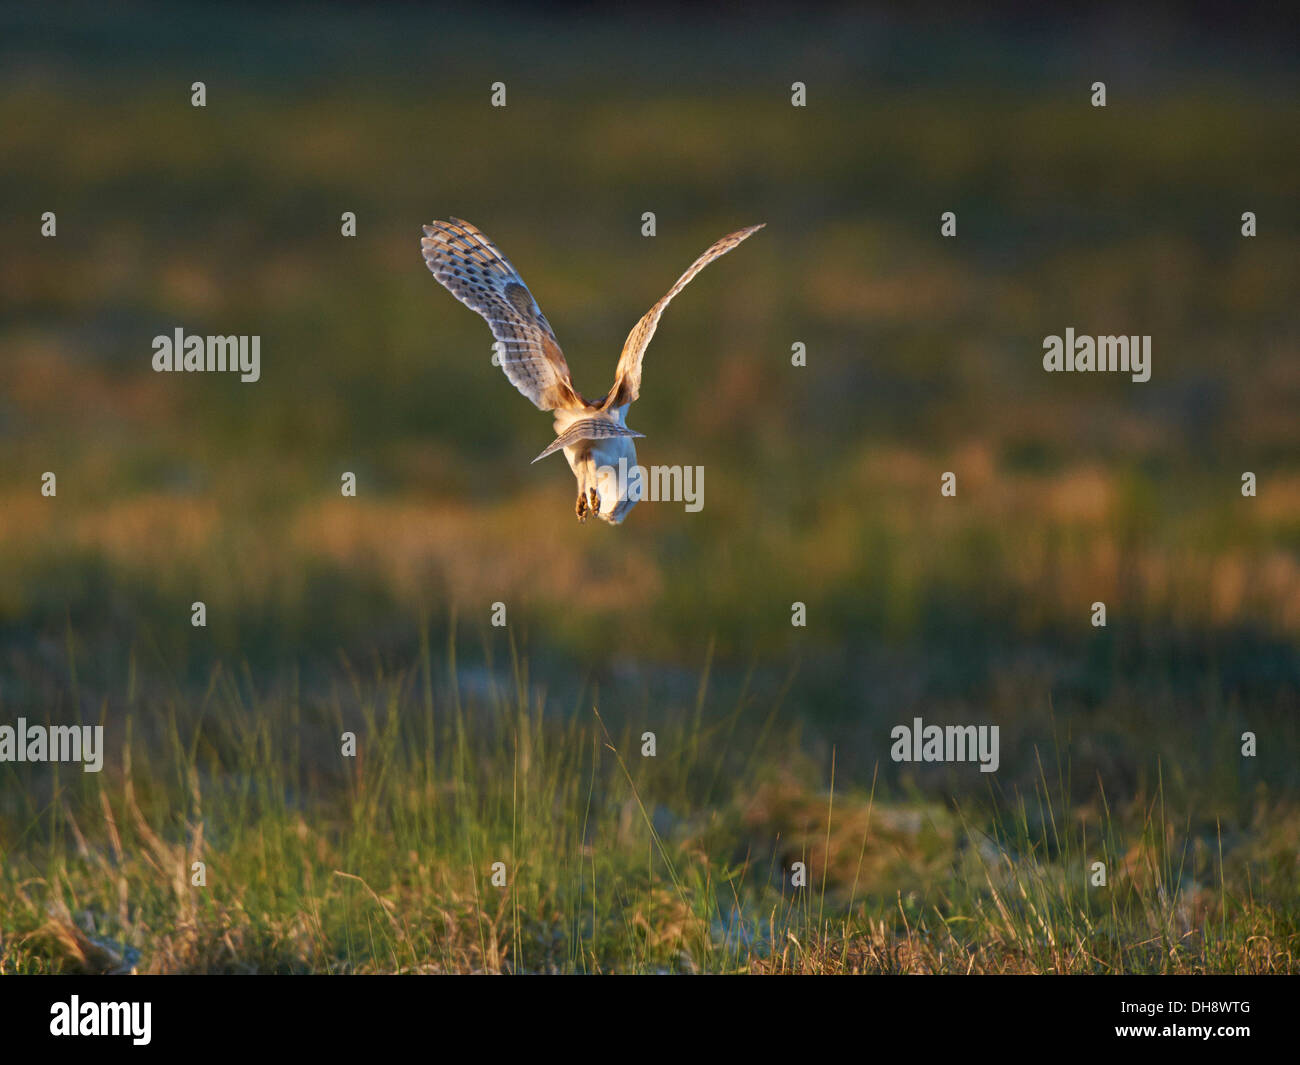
(597, 465)
(593, 435)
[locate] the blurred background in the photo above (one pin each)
(821, 483)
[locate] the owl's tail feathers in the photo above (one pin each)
(587, 429)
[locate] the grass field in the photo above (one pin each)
(611, 861)
(523, 744)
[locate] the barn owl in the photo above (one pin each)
(593, 434)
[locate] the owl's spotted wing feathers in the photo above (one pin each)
(587, 429)
(473, 270)
(627, 379)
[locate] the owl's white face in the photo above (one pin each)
(617, 499)
(596, 465)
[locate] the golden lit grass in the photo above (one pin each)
(614, 862)
(1051, 544)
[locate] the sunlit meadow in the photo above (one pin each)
(524, 744)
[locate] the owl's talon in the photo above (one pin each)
(581, 508)
(595, 500)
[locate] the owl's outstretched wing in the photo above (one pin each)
(587, 429)
(627, 378)
(471, 268)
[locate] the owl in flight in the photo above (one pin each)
(593, 433)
